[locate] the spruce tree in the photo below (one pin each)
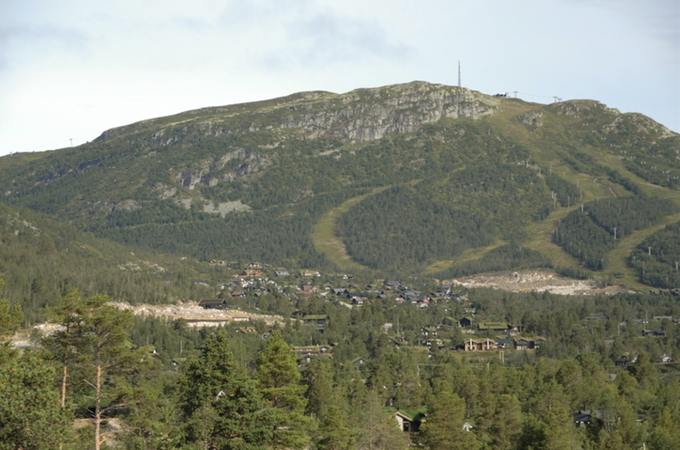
(221, 407)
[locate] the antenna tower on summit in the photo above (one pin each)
(459, 73)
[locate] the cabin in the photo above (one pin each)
(246, 330)
(504, 343)
(318, 321)
(406, 423)
(660, 318)
(213, 303)
(428, 331)
(357, 298)
(309, 274)
(521, 343)
(537, 342)
(465, 322)
(626, 359)
(251, 273)
(585, 417)
(306, 354)
(655, 333)
(479, 345)
(492, 326)
(360, 361)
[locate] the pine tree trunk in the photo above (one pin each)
(63, 384)
(97, 402)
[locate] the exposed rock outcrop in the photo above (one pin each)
(370, 114)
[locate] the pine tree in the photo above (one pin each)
(31, 416)
(666, 433)
(376, 429)
(333, 432)
(279, 382)
(109, 357)
(10, 322)
(66, 343)
(320, 392)
(444, 429)
(506, 424)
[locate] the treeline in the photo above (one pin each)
(590, 232)
(657, 258)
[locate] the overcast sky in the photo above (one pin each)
(70, 69)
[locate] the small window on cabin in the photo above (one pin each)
(406, 427)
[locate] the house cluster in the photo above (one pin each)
(508, 337)
(431, 339)
(499, 343)
(357, 295)
(656, 320)
(306, 354)
(674, 292)
(252, 281)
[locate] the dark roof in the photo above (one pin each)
(212, 302)
(315, 317)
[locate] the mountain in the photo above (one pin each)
(412, 179)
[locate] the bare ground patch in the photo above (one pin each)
(540, 281)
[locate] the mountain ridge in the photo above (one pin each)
(262, 174)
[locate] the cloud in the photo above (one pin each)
(36, 41)
(287, 35)
(329, 39)
(657, 18)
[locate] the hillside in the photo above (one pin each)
(417, 179)
(42, 259)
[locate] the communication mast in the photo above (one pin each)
(459, 85)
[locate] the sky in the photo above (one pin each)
(71, 69)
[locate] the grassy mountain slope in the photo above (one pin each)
(401, 179)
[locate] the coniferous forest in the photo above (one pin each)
(108, 379)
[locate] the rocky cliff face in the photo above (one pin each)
(370, 114)
(358, 116)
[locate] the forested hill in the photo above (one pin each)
(404, 179)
